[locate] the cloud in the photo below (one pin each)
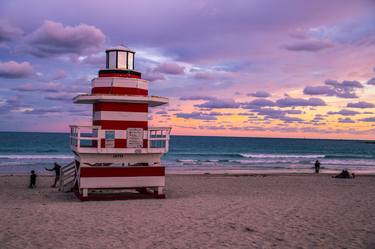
(259, 94)
(344, 112)
(13, 104)
(59, 74)
(371, 119)
(35, 87)
(318, 118)
(170, 68)
(153, 76)
(258, 103)
(196, 115)
(219, 103)
(354, 31)
(9, 32)
(212, 127)
(43, 111)
(309, 45)
(60, 96)
(270, 113)
(371, 81)
(205, 76)
(197, 98)
(346, 120)
(54, 39)
(161, 112)
(319, 90)
(13, 70)
(361, 104)
(344, 89)
(290, 102)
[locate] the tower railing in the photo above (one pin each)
(91, 139)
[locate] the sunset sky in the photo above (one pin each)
(281, 68)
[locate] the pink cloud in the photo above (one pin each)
(53, 39)
(170, 68)
(12, 69)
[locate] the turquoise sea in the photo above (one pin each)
(22, 151)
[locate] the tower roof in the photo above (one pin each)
(119, 48)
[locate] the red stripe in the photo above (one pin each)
(120, 107)
(145, 143)
(121, 171)
(120, 125)
(121, 143)
(119, 90)
(123, 75)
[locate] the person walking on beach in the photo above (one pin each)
(317, 166)
(56, 168)
(32, 179)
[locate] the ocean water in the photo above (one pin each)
(22, 151)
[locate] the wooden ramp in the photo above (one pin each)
(68, 177)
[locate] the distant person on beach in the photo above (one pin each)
(32, 179)
(317, 166)
(344, 174)
(56, 168)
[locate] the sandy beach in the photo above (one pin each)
(201, 211)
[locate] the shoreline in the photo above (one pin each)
(233, 172)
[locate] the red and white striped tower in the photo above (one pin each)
(119, 150)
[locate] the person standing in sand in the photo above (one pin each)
(317, 166)
(56, 168)
(32, 179)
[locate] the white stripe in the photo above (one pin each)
(119, 82)
(122, 182)
(121, 116)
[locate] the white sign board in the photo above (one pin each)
(134, 138)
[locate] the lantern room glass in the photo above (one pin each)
(121, 59)
(130, 61)
(112, 59)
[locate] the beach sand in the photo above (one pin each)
(201, 211)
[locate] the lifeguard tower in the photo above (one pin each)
(119, 150)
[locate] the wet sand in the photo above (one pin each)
(201, 211)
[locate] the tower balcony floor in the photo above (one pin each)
(152, 101)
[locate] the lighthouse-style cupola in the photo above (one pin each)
(120, 57)
(120, 149)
